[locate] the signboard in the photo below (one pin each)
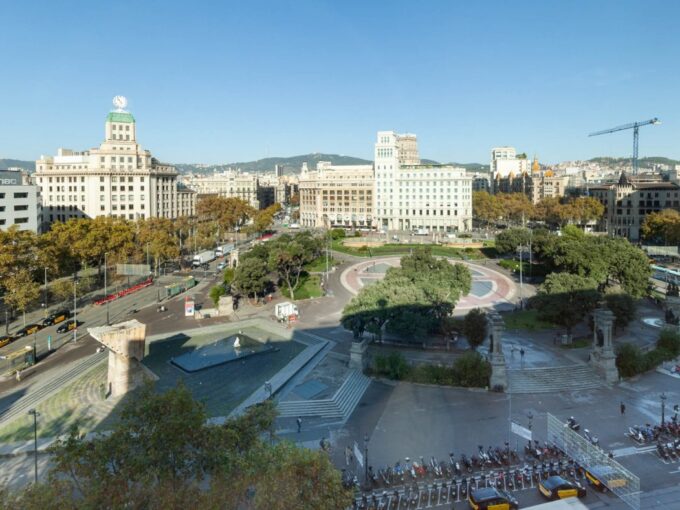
(358, 455)
(10, 178)
(520, 431)
(133, 269)
(189, 308)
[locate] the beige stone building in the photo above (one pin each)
(118, 178)
(627, 202)
(337, 196)
(226, 184)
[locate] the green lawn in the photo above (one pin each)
(309, 287)
(403, 249)
(525, 319)
(318, 265)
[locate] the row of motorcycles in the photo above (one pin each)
(410, 470)
(668, 450)
(648, 433)
(447, 491)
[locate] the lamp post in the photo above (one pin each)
(531, 417)
(45, 293)
(35, 415)
(663, 398)
(35, 347)
(106, 288)
(75, 307)
(366, 459)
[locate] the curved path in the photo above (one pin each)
(490, 288)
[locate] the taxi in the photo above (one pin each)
(4, 340)
(28, 330)
(68, 326)
(604, 478)
(556, 487)
(56, 317)
(491, 499)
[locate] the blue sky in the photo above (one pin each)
(234, 81)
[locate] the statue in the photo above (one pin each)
(600, 337)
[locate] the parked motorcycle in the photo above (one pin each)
(573, 424)
(592, 438)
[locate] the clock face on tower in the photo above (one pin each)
(120, 102)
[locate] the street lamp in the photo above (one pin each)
(663, 398)
(75, 307)
(106, 291)
(531, 417)
(35, 415)
(366, 459)
(45, 294)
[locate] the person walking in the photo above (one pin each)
(299, 424)
(623, 408)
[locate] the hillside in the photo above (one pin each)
(8, 163)
(291, 165)
(647, 162)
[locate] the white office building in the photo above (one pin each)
(20, 202)
(505, 164)
(412, 196)
(118, 178)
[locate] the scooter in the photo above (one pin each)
(592, 438)
(573, 424)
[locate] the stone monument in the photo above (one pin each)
(672, 304)
(125, 342)
(357, 354)
(225, 306)
(602, 357)
(499, 376)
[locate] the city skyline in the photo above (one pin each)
(235, 83)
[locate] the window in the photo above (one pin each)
(102, 198)
(101, 208)
(129, 179)
(20, 208)
(114, 188)
(2, 195)
(18, 221)
(21, 195)
(101, 179)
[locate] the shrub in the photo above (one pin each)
(670, 341)
(629, 360)
(337, 233)
(472, 370)
(393, 366)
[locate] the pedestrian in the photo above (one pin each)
(299, 424)
(623, 408)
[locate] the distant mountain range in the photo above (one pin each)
(293, 164)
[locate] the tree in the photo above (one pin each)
(227, 214)
(162, 453)
(251, 277)
(264, 219)
(623, 308)
(516, 207)
(158, 236)
(20, 290)
(216, 293)
(662, 227)
(474, 327)
(288, 255)
(510, 239)
(485, 207)
(565, 299)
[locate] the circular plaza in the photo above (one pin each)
(489, 289)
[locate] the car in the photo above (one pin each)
(490, 498)
(6, 339)
(56, 318)
(68, 326)
(556, 487)
(221, 266)
(28, 330)
(604, 477)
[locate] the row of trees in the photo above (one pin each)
(412, 300)
(162, 454)
(662, 227)
(279, 261)
(516, 207)
(79, 243)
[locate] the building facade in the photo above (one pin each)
(412, 196)
(228, 184)
(118, 179)
(20, 202)
(337, 196)
(505, 164)
(627, 202)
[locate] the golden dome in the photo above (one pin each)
(549, 173)
(535, 167)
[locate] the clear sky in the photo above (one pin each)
(221, 82)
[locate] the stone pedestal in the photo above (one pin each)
(358, 358)
(126, 342)
(225, 306)
(672, 310)
(602, 357)
(499, 376)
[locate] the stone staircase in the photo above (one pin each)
(553, 379)
(340, 406)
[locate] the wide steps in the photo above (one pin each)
(553, 379)
(340, 406)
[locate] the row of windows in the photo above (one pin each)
(120, 127)
(19, 194)
(17, 221)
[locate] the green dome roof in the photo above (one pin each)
(120, 117)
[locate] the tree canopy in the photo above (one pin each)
(411, 300)
(162, 454)
(662, 227)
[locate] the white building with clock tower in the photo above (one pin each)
(119, 178)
